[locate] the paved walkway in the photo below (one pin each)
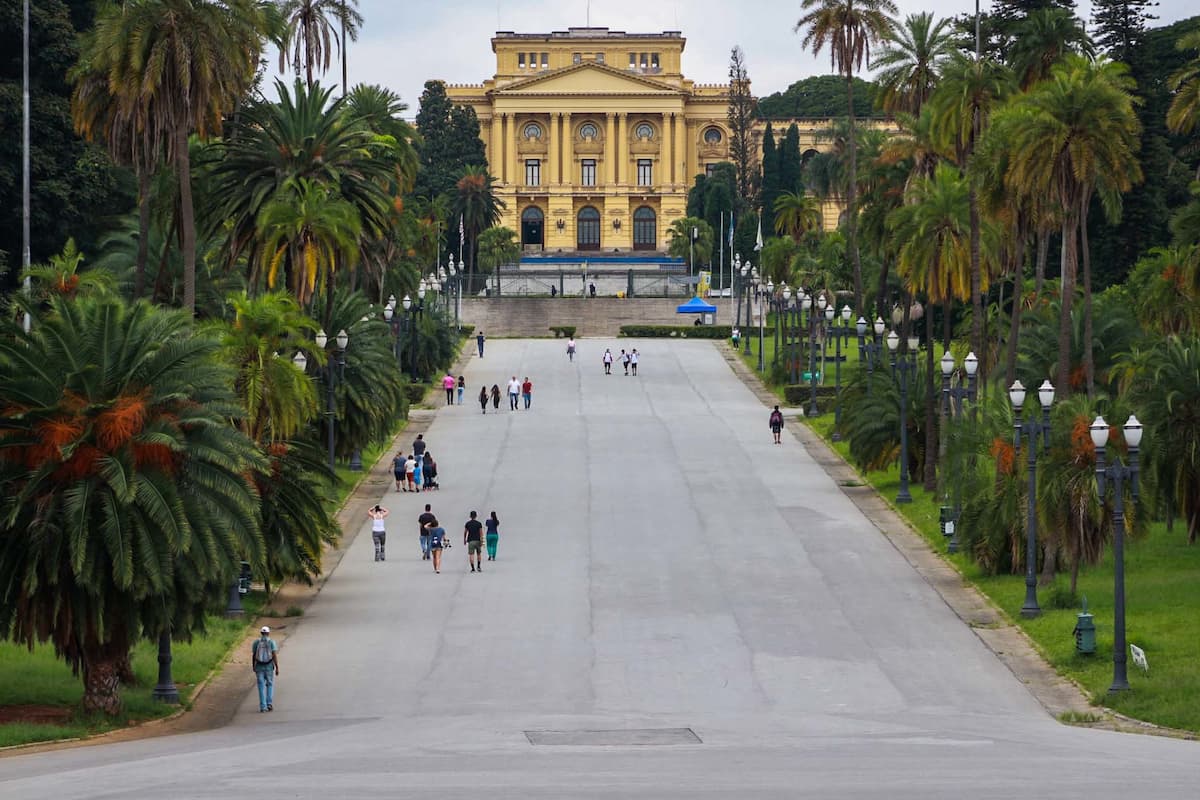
(680, 609)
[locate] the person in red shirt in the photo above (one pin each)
(527, 391)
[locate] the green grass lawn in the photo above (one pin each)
(40, 678)
(1161, 600)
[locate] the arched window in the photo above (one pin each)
(645, 229)
(588, 130)
(587, 229)
(644, 131)
(712, 136)
(532, 226)
(533, 131)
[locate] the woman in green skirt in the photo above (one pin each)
(492, 537)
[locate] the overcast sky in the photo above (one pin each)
(406, 42)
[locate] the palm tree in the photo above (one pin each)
(680, 244)
(476, 206)
(308, 135)
(1184, 112)
(380, 110)
(849, 28)
(1046, 37)
(62, 276)
(179, 66)
(311, 35)
(126, 506)
(933, 239)
(1075, 135)
(310, 233)
(498, 246)
(910, 60)
(962, 107)
(797, 215)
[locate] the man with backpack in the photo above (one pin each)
(264, 660)
(776, 423)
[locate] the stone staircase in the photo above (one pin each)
(602, 316)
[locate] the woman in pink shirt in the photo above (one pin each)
(448, 384)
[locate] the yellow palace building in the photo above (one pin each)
(594, 136)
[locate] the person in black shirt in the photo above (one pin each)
(423, 532)
(473, 539)
(419, 445)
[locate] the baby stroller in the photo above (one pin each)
(432, 481)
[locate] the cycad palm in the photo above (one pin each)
(909, 62)
(848, 28)
(125, 501)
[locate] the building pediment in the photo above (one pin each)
(584, 79)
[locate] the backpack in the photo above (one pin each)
(263, 648)
(776, 419)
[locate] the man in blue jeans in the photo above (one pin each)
(479, 339)
(423, 532)
(264, 659)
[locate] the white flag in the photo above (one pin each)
(462, 236)
(758, 243)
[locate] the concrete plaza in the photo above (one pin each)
(680, 609)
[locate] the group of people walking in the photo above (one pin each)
(417, 471)
(476, 536)
(628, 360)
(450, 384)
(519, 392)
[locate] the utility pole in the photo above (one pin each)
(25, 193)
(344, 79)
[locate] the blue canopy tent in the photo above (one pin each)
(696, 306)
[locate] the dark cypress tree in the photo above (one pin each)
(789, 162)
(450, 142)
(1120, 25)
(770, 180)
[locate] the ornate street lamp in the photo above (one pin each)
(1117, 474)
(1033, 431)
(904, 363)
(840, 331)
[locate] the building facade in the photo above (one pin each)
(594, 136)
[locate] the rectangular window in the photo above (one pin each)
(577, 58)
(533, 172)
(520, 61)
(654, 61)
(545, 61)
(708, 170)
(589, 172)
(599, 58)
(644, 62)
(633, 60)
(645, 172)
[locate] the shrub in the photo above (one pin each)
(415, 392)
(560, 331)
(683, 331)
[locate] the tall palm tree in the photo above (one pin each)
(476, 205)
(125, 505)
(910, 60)
(180, 66)
(848, 28)
(309, 135)
(681, 245)
(797, 215)
(1184, 112)
(380, 110)
(312, 33)
(311, 232)
(962, 105)
(1044, 38)
(1075, 135)
(933, 236)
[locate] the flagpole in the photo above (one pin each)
(25, 168)
(721, 251)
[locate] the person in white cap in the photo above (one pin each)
(264, 660)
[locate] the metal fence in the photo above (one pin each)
(580, 283)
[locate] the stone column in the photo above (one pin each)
(515, 178)
(666, 159)
(495, 150)
(681, 157)
(568, 150)
(610, 152)
(552, 167)
(622, 147)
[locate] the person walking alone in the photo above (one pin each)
(473, 539)
(775, 421)
(571, 349)
(492, 523)
(527, 391)
(264, 660)
(514, 389)
(448, 385)
(483, 398)
(423, 531)
(496, 396)
(462, 387)
(479, 339)
(377, 515)
(608, 358)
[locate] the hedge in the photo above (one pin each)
(560, 331)
(415, 392)
(798, 394)
(683, 331)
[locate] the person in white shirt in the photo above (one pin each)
(377, 516)
(633, 359)
(608, 359)
(410, 467)
(571, 348)
(514, 392)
